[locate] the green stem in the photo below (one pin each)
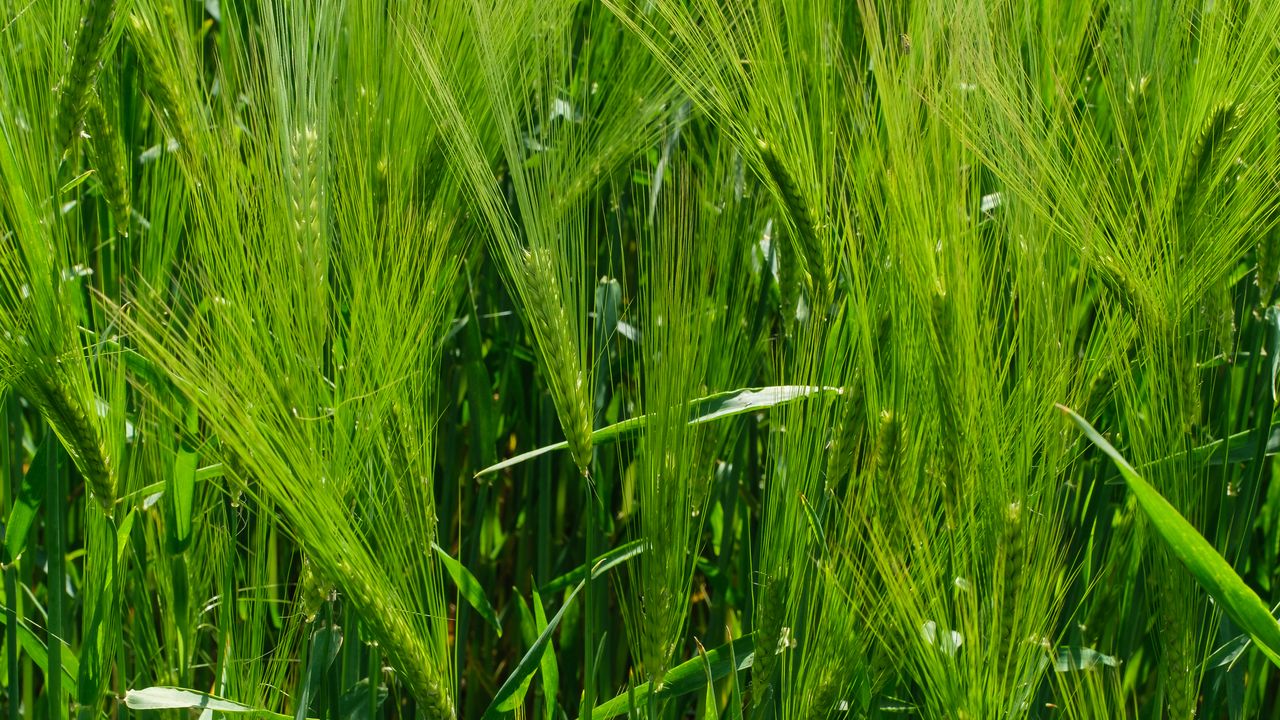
(55, 555)
(12, 481)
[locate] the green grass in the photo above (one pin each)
(374, 359)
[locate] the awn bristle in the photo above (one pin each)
(555, 339)
(807, 243)
(108, 159)
(83, 68)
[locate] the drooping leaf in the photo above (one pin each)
(35, 649)
(27, 503)
(601, 565)
(325, 644)
(1208, 567)
(703, 410)
(173, 698)
(469, 588)
(354, 703)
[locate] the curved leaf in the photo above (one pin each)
(469, 588)
(1213, 572)
(703, 410)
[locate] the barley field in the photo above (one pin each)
(664, 359)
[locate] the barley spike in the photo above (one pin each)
(83, 67)
(108, 159)
(75, 429)
(555, 340)
(807, 243)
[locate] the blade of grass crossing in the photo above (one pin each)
(1208, 567)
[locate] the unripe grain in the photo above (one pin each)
(768, 631)
(848, 431)
(807, 243)
(108, 159)
(78, 434)
(1209, 143)
(83, 67)
(557, 345)
(404, 648)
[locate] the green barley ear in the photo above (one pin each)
(550, 320)
(313, 590)
(887, 444)
(807, 244)
(107, 155)
(952, 428)
(1213, 137)
(1177, 638)
(307, 203)
(848, 432)
(70, 421)
(771, 596)
(1013, 555)
(165, 88)
(82, 69)
(405, 648)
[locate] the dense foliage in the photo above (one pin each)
(651, 358)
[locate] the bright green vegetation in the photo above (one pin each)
(767, 359)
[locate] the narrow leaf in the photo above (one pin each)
(529, 663)
(172, 698)
(600, 565)
(469, 588)
(687, 677)
(703, 410)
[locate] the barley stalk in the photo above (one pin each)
(556, 343)
(83, 67)
(108, 159)
(808, 246)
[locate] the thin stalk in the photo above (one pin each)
(55, 555)
(7, 446)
